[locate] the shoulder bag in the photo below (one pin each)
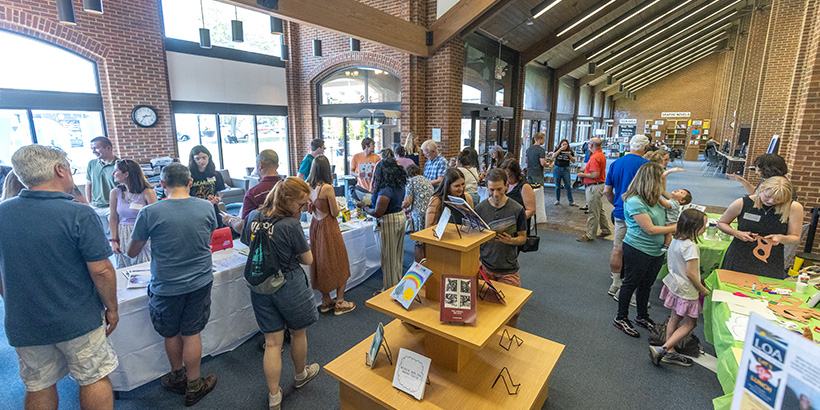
(263, 273)
(533, 241)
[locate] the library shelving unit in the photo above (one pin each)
(466, 360)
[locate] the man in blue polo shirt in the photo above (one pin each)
(57, 283)
(617, 181)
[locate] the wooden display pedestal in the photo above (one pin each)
(362, 388)
(451, 255)
(451, 346)
(465, 358)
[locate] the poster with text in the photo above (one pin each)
(778, 369)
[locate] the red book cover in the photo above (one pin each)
(458, 299)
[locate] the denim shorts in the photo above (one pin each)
(292, 305)
(88, 358)
(185, 314)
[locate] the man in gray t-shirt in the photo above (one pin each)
(536, 159)
(179, 297)
(499, 257)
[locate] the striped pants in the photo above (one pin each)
(392, 242)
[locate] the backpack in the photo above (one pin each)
(262, 270)
(689, 345)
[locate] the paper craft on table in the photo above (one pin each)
(410, 284)
(743, 306)
(411, 373)
(737, 324)
(138, 280)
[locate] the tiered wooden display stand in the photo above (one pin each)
(465, 358)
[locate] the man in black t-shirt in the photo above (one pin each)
(536, 159)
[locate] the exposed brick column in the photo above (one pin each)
(518, 108)
(804, 145)
(443, 96)
(776, 97)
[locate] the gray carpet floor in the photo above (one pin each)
(601, 368)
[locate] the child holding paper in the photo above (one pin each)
(682, 287)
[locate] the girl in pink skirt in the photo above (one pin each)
(682, 287)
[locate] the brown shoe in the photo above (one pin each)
(584, 238)
(604, 234)
(343, 307)
(194, 395)
(175, 381)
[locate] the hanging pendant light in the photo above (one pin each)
(317, 45)
(285, 51)
(93, 6)
(204, 33)
(276, 26)
(355, 45)
(237, 33)
(65, 12)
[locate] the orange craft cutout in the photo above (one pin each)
(763, 249)
(795, 314)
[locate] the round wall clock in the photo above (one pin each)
(145, 116)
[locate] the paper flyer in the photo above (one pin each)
(778, 369)
(411, 373)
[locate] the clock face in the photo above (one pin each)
(144, 116)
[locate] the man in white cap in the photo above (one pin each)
(617, 181)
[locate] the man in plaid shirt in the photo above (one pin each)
(436, 165)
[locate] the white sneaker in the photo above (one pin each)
(275, 402)
(557, 203)
(311, 371)
(631, 301)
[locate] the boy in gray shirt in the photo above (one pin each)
(499, 257)
(179, 297)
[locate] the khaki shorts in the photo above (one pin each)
(88, 358)
(620, 232)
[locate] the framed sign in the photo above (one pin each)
(628, 121)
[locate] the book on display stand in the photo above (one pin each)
(458, 299)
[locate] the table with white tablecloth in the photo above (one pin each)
(141, 350)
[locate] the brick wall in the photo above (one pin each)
(430, 87)
(126, 42)
(689, 89)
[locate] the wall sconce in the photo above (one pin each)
(237, 33)
(276, 26)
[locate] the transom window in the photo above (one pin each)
(358, 85)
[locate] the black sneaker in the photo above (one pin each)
(625, 325)
(206, 385)
(656, 353)
(677, 358)
(176, 382)
(646, 323)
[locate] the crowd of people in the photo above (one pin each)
(59, 327)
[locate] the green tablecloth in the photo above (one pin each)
(717, 333)
(712, 252)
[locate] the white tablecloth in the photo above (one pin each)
(141, 351)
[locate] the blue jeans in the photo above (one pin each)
(562, 174)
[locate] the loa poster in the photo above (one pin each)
(778, 370)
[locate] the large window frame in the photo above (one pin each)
(35, 102)
(220, 110)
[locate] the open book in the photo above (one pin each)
(470, 217)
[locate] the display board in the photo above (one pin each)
(627, 131)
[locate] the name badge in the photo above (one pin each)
(751, 217)
(136, 206)
(211, 179)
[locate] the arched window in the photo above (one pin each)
(357, 103)
(358, 85)
(48, 96)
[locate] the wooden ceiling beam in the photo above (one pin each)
(350, 18)
(552, 40)
(464, 14)
(571, 66)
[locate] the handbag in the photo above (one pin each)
(409, 226)
(533, 241)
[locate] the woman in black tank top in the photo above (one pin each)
(766, 221)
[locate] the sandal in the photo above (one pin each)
(344, 307)
(327, 307)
